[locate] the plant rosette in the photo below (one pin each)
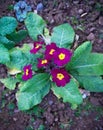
(50, 64)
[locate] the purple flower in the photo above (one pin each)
(50, 49)
(42, 63)
(27, 72)
(37, 47)
(60, 77)
(62, 56)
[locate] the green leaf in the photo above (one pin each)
(63, 35)
(93, 65)
(91, 83)
(80, 54)
(82, 51)
(17, 36)
(9, 82)
(31, 57)
(70, 93)
(86, 68)
(35, 25)
(4, 55)
(7, 25)
(17, 59)
(32, 91)
(6, 42)
(84, 62)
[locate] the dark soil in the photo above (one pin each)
(86, 17)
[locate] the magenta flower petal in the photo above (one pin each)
(42, 63)
(50, 49)
(37, 47)
(60, 77)
(27, 72)
(62, 56)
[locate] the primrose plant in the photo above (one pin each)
(50, 64)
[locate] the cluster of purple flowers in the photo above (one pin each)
(55, 59)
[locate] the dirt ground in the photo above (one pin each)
(86, 17)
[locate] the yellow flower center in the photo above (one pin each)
(60, 76)
(51, 51)
(61, 56)
(27, 72)
(37, 46)
(44, 61)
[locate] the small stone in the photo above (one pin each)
(100, 20)
(84, 96)
(52, 21)
(76, 2)
(46, 122)
(16, 111)
(6, 94)
(15, 119)
(100, 41)
(91, 37)
(84, 14)
(56, 119)
(35, 11)
(92, 29)
(50, 102)
(67, 5)
(76, 37)
(91, 2)
(80, 11)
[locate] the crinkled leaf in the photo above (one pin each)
(6, 42)
(7, 25)
(32, 91)
(4, 55)
(63, 35)
(17, 36)
(17, 59)
(35, 25)
(9, 82)
(91, 83)
(32, 59)
(70, 93)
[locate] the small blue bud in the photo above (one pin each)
(39, 7)
(21, 9)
